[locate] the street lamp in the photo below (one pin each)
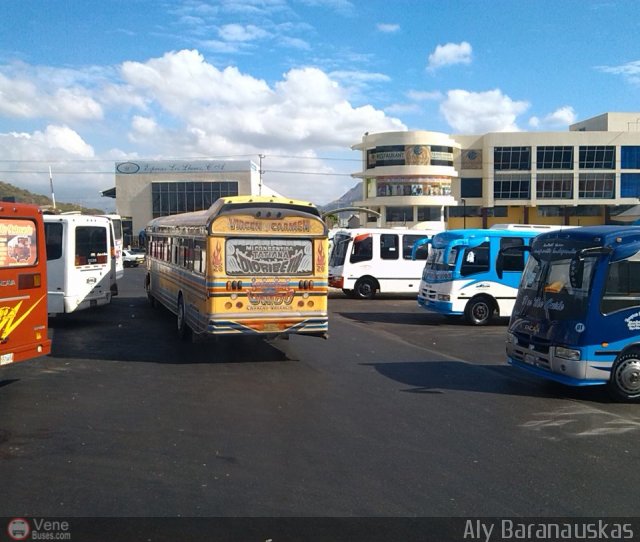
(464, 213)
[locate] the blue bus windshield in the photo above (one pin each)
(546, 290)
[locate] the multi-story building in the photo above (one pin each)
(587, 175)
(149, 189)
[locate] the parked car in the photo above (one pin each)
(132, 259)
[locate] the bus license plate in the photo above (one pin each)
(6, 358)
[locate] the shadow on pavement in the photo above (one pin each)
(129, 329)
(437, 377)
(418, 319)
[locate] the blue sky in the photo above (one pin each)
(84, 84)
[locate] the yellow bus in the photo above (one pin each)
(248, 265)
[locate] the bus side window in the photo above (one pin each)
(475, 260)
(389, 246)
(362, 250)
(53, 237)
(513, 261)
(407, 247)
(622, 290)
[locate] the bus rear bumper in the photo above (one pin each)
(316, 327)
(27, 351)
(72, 304)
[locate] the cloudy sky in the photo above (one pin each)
(84, 84)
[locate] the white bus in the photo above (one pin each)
(368, 260)
(81, 271)
(116, 222)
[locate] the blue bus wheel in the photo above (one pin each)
(624, 383)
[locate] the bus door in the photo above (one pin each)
(23, 285)
(79, 263)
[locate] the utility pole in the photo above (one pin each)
(261, 156)
(53, 196)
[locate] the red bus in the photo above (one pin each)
(23, 283)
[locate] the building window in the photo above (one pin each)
(630, 157)
(596, 185)
(471, 187)
(461, 211)
(399, 214)
(441, 156)
(499, 211)
(554, 186)
(550, 210)
(512, 158)
(170, 198)
(585, 210)
(512, 186)
(554, 157)
(429, 214)
(414, 186)
(630, 185)
(597, 157)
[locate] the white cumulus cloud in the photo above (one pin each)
(449, 54)
(481, 112)
(31, 98)
(562, 117)
(179, 105)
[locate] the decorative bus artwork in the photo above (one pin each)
(248, 265)
(23, 284)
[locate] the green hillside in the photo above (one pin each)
(8, 191)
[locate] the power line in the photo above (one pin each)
(58, 172)
(222, 157)
(308, 173)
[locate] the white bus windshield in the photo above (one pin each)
(339, 250)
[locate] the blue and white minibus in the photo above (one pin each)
(577, 316)
(460, 278)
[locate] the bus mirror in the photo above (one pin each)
(499, 264)
(416, 246)
(576, 272)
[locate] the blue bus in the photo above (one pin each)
(460, 276)
(577, 315)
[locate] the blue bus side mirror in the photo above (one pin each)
(417, 245)
(576, 272)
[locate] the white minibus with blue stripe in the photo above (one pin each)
(460, 279)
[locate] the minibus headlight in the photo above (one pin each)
(567, 353)
(511, 338)
(444, 297)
